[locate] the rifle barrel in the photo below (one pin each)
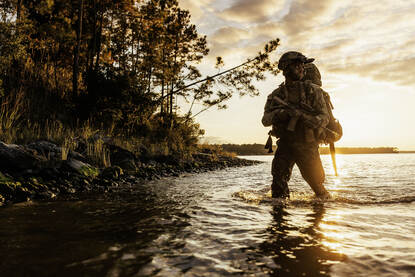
(333, 157)
(282, 102)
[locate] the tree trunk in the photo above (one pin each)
(137, 53)
(171, 100)
(93, 42)
(149, 80)
(19, 10)
(77, 50)
(99, 40)
(162, 82)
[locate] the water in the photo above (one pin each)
(223, 223)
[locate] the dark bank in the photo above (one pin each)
(89, 91)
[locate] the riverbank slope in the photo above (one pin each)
(42, 169)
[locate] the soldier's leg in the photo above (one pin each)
(282, 166)
(309, 162)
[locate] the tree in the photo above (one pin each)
(116, 64)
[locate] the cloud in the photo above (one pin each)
(252, 10)
(229, 35)
(371, 38)
(237, 43)
(396, 71)
(197, 8)
(304, 15)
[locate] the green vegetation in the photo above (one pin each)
(84, 69)
(258, 149)
(247, 149)
(361, 150)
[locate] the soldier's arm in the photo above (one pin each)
(273, 113)
(269, 113)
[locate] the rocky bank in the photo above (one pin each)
(37, 170)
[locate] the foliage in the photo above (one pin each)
(216, 150)
(246, 149)
(115, 66)
(360, 150)
(258, 149)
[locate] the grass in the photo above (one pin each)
(15, 130)
(18, 127)
(215, 150)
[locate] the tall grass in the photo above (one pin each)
(16, 130)
(11, 110)
(158, 137)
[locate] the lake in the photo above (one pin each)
(224, 223)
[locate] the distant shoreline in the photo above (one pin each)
(337, 153)
(258, 149)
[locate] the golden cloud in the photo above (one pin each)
(229, 35)
(196, 7)
(252, 11)
(369, 38)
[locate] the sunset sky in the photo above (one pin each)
(364, 49)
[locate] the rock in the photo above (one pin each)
(14, 156)
(4, 178)
(118, 154)
(122, 158)
(76, 156)
(49, 173)
(81, 168)
(14, 190)
(112, 172)
(51, 151)
(144, 154)
(128, 166)
(47, 194)
(38, 171)
(46, 149)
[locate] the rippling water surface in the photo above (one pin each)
(224, 223)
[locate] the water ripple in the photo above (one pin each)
(225, 223)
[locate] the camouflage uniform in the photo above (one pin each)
(293, 146)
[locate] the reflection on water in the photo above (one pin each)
(224, 223)
(294, 239)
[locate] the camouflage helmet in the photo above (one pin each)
(289, 57)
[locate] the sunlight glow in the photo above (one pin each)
(333, 237)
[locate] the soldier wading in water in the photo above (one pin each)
(300, 127)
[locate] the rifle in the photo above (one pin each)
(333, 157)
(309, 133)
(305, 114)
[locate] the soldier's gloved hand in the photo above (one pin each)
(311, 121)
(294, 113)
(282, 115)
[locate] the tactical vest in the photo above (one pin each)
(279, 130)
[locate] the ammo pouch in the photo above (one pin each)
(278, 130)
(335, 126)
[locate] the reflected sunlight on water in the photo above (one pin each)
(225, 223)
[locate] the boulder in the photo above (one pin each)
(17, 157)
(112, 172)
(128, 165)
(46, 149)
(52, 151)
(81, 168)
(118, 154)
